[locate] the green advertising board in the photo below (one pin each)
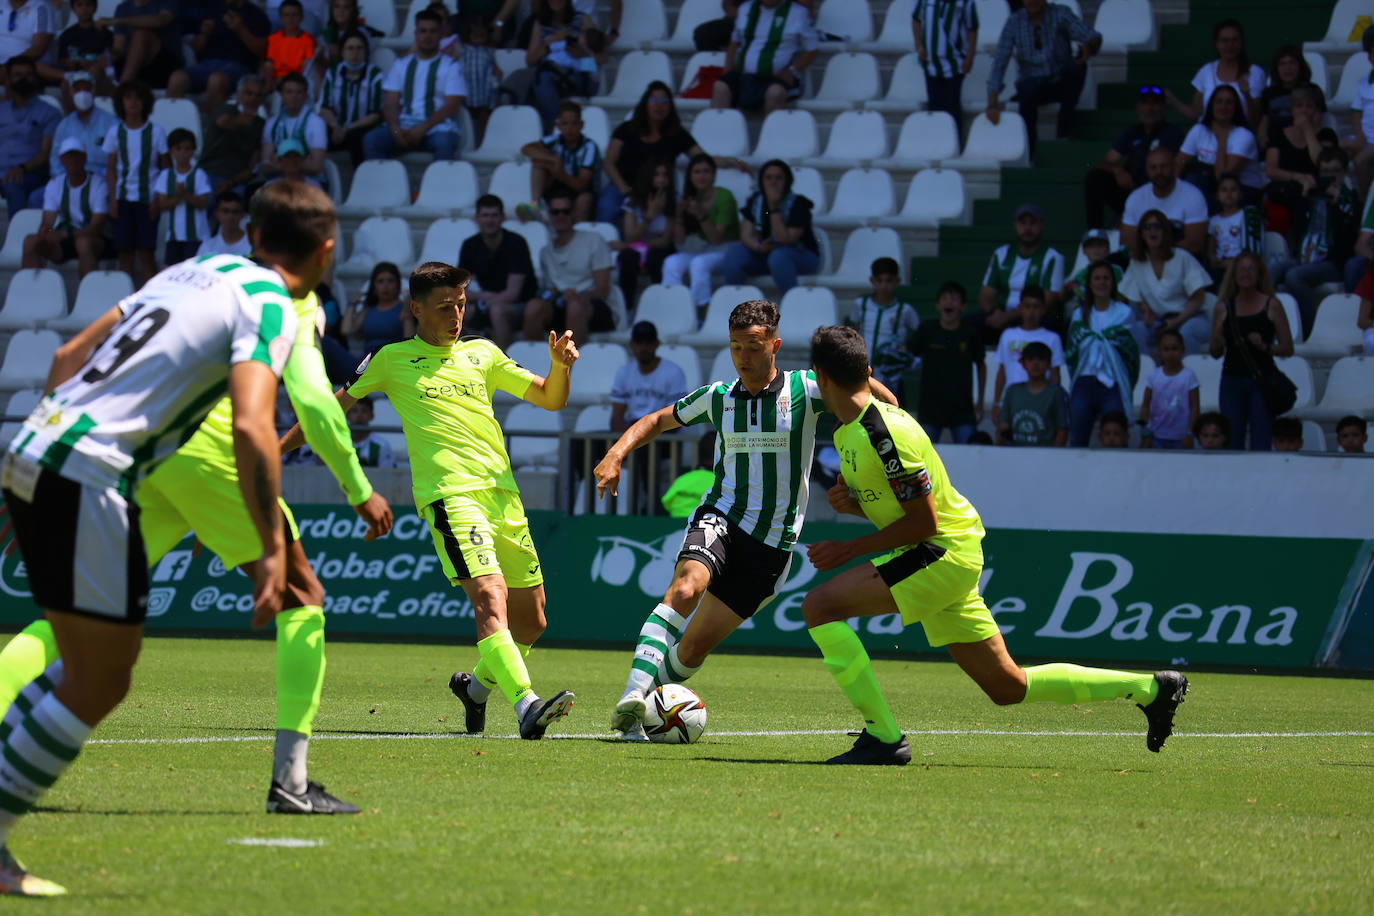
(1149, 598)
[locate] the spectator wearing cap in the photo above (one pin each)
(147, 40)
(75, 208)
(500, 263)
(32, 25)
(1012, 267)
(1041, 36)
(946, 36)
(421, 95)
(233, 137)
(290, 159)
(26, 132)
(87, 122)
(296, 121)
(772, 45)
(646, 384)
(1182, 203)
(1122, 168)
(231, 44)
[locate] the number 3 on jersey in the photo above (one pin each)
(138, 328)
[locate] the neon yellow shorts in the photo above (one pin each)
(187, 495)
(942, 596)
(484, 533)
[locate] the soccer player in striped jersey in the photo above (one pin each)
(122, 396)
(929, 539)
(738, 547)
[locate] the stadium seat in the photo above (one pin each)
(740, 184)
(788, 135)
(722, 132)
(974, 95)
(380, 15)
(606, 230)
(596, 125)
(1299, 371)
(694, 64)
(333, 186)
(384, 414)
(447, 188)
(850, 79)
(808, 182)
(860, 249)
(907, 89)
(926, 138)
(636, 70)
(1290, 311)
(1125, 24)
(593, 418)
(20, 405)
(1348, 390)
(527, 451)
(510, 181)
(933, 196)
(1340, 25)
(444, 239)
(379, 186)
(856, 137)
(992, 15)
(21, 225)
(642, 22)
(99, 290)
(405, 36)
(382, 58)
(1333, 331)
(895, 34)
(1320, 78)
(1313, 436)
(532, 354)
(596, 371)
(723, 368)
(1275, 246)
(851, 20)
(510, 60)
(827, 254)
(862, 194)
(28, 359)
(510, 127)
(34, 298)
(686, 359)
(804, 309)
(990, 145)
(1355, 71)
(1208, 372)
(1147, 365)
(379, 238)
(171, 114)
(670, 308)
(690, 14)
(714, 328)
(536, 236)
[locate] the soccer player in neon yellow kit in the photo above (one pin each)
(441, 385)
(930, 538)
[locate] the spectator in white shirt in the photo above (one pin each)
(230, 239)
(421, 95)
(295, 121)
(646, 384)
(1182, 203)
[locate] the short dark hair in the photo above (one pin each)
(567, 106)
(433, 275)
(1111, 416)
(292, 219)
(787, 176)
(228, 197)
(366, 400)
(1286, 428)
(1037, 350)
(429, 15)
(840, 353)
(954, 287)
(22, 60)
(1333, 154)
(1213, 418)
(755, 313)
(1351, 420)
(883, 266)
(285, 3)
(490, 200)
(1031, 291)
(133, 87)
(294, 78)
(180, 135)
(1173, 333)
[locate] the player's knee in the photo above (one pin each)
(1003, 689)
(818, 608)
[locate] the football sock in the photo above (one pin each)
(34, 755)
(289, 765)
(300, 667)
(506, 665)
(525, 703)
(1064, 683)
(483, 681)
(661, 631)
(673, 671)
(849, 665)
(26, 699)
(24, 658)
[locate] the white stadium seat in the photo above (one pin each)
(1125, 24)
(384, 414)
(1275, 246)
(974, 95)
(1290, 311)
(723, 368)
(740, 184)
(802, 310)
(788, 135)
(722, 132)
(861, 248)
(1348, 389)
(379, 238)
(380, 15)
(596, 371)
(379, 186)
(99, 290)
(382, 57)
(670, 308)
(1208, 372)
(28, 359)
(850, 79)
(606, 230)
(1333, 331)
(1147, 365)
(862, 194)
(855, 137)
(723, 302)
(20, 404)
(532, 354)
(1300, 373)
(690, 14)
(509, 60)
(642, 21)
(896, 31)
(933, 196)
(21, 225)
(907, 89)
(405, 36)
(536, 236)
(636, 70)
(926, 138)
(852, 20)
(34, 298)
(446, 188)
(510, 181)
(1341, 24)
(991, 144)
(1320, 78)
(510, 127)
(686, 359)
(808, 182)
(596, 125)
(593, 418)
(1355, 71)
(992, 15)
(1313, 436)
(527, 451)
(171, 114)
(444, 238)
(694, 64)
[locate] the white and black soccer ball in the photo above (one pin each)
(674, 715)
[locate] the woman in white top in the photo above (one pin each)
(1219, 145)
(1167, 285)
(1231, 68)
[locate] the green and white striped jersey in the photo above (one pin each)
(945, 25)
(764, 445)
(146, 388)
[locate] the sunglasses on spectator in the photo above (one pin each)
(1151, 92)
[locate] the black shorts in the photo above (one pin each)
(745, 573)
(135, 228)
(748, 89)
(69, 248)
(177, 252)
(603, 319)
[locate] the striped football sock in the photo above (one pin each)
(661, 631)
(34, 755)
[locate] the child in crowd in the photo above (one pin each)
(1097, 246)
(1212, 432)
(1033, 412)
(289, 49)
(1233, 229)
(1286, 435)
(949, 349)
(886, 323)
(478, 61)
(566, 160)
(373, 450)
(1014, 340)
(230, 239)
(1352, 434)
(137, 150)
(1113, 430)
(290, 160)
(83, 45)
(1170, 409)
(183, 192)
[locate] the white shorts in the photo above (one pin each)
(81, 545)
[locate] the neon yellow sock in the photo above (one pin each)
(300, 667)
(851, 668)
(507, 666)
(482, 672)
(25, 657)
(1065, 683)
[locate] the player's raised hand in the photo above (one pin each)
(269, 586)
(562, 350)
(607, 476)
(830, 554)
(376, 511)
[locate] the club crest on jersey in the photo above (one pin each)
(784, 403)
(472, 358)
(713, 527)
(279, 350)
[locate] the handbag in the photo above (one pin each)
(1277, 389)
(703, 82)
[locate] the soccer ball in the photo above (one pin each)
(674, 715)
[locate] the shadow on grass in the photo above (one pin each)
(1343, 763)
(921, 764)
(146, 812)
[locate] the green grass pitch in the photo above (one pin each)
(990, 817)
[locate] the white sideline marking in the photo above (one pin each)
(236, 739)
(288, 842)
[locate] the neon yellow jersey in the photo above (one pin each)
(443, 396)
(887, 459)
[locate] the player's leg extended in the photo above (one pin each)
(525, 609)
(657, 643)
(24, 658)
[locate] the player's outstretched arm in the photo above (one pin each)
(916, 524)
(551, 392)
(295, 436)
(73, 354)
(645, 429)
(253, 393)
